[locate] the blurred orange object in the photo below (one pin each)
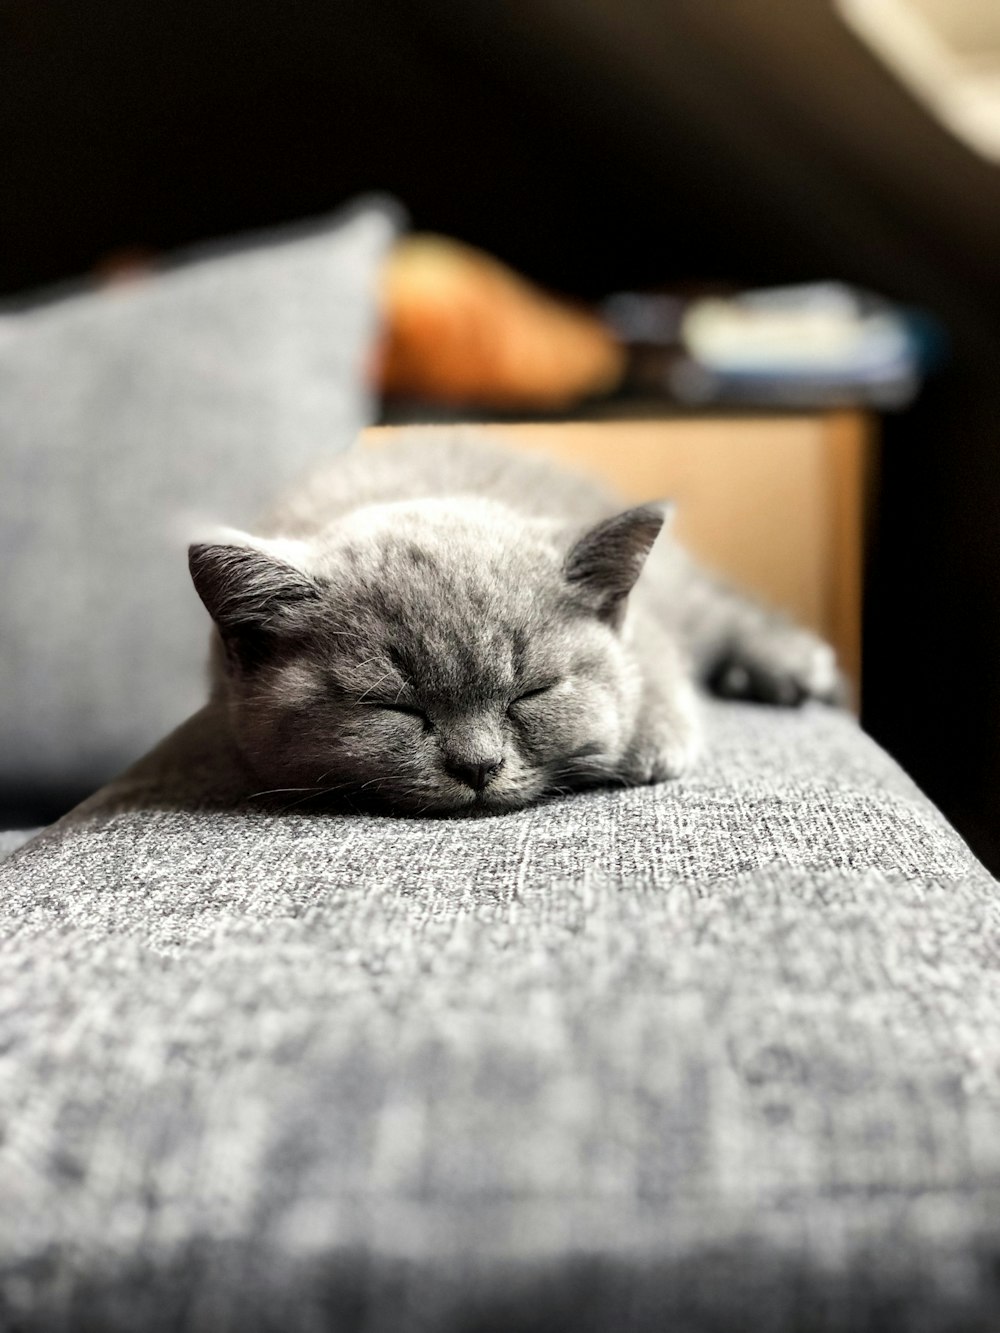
(461, 327)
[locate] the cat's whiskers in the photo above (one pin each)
(407, 779)
(411, 788)
(315, 795)
(360, 666)
(405, 685)
(423, 809)
(364, 695)
(276, 791)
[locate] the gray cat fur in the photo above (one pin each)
(440, 625)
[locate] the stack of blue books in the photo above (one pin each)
(815, 345)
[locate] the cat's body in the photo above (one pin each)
(441, 625)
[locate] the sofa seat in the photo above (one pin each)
(718, 1054)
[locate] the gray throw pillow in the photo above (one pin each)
(125, 416)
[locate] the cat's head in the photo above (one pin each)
(429, 657)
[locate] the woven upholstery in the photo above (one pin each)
(715, 1055)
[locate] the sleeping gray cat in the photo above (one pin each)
(440, 625)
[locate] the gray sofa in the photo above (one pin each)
(716, 1055)
(720, 1054)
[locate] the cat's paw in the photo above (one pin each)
(780, 664)
(663, 751)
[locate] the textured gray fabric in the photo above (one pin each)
(716, 1055)
(11, 839)
(127, 415)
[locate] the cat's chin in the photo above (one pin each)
(442, 805)
(481, 805)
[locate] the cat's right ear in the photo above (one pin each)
(605, 563)
(254, 596)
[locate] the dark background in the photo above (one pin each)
(595, 145)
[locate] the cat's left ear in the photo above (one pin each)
(605, 563)
(252, 590)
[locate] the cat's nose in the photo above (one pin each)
(477, 772)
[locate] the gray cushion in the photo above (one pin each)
(11, 839)
(715, 1055)
(127, 416)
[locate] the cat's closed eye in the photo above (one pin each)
(407, 710)
(526, 695)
